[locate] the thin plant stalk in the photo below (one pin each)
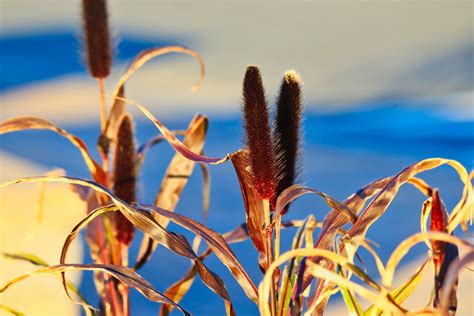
(268, 233)
(103, 107)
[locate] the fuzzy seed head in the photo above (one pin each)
(97, 40)
(287, 130)
(258, 137)
(124, 176)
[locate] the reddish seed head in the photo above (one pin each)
(258, 135)
(439, 218)
(124, 176)
(96, 33)
(438, 223)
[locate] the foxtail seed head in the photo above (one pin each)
(124, 176)
(258, 137)
(96, 33)
(287, 130)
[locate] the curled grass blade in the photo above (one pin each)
(400, 294)
(35, 260)
(176, 243)
(176, 177)
(295, 191)
(408, 243)
(173, 140)
(451, 279)
(387, 189)
(290, 271)
(29, 122)
(118, 103)
(124, 275)
(320, 272)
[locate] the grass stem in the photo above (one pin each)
(268, 233)
(103, 107)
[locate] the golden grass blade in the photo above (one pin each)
(35, 260)
(176, 243)
(408, 243)
(180, 168)
(124, 275)
(253, 203)
(290, 271)
(175, 179)
(218, 245)
(450, 282)
(29, 122)
(118, 103)
(400, 294)
(320, 272)
(383, 199)
(11, 310)
(173, 141)
(144, 148)
(109, 133)
(387, 192)
(295, 191)
(178, 290)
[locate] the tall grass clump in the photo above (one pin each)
(323, 257)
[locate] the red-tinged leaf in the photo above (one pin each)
(145, 147)
(253, 203)
(295, 191)
(443, 253)
(174, 141)
(175, 179)
(448, 300)
(144, 221)
(179, 289)
(439, 223)
(383, 199)
(108, 136)
(118, 104)
(28, 122)
(124, 275)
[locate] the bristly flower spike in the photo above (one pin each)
(97, 41)
(258, 137)
(124, 176)
(287, 130)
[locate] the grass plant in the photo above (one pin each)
(322, 260)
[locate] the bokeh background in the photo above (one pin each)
(385, 84)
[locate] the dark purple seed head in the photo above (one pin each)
(287, 130)
(96, 34)
(258, 137)
(124, 176)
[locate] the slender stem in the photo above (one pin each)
(277, 237)
(103, 108)
(268, 233)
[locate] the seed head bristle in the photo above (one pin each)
(97, 40)
(124, 176)
(287, 130)
(258, 134)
